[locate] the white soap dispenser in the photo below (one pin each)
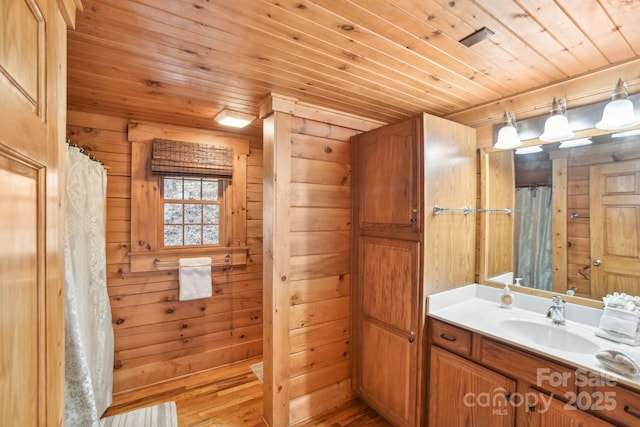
(506, 297)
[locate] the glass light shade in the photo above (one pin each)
(618, 114)
(575, 143)
(529, 150)
(556, 129)
(625, 134)
(507, 138)
(234, 118)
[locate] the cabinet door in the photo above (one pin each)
(388, 305)
(545, 410)
(387, 179)
(462, 393)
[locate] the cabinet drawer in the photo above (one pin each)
(540, 373)
(451, 337)
(604, 398)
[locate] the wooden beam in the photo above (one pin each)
(276, 262)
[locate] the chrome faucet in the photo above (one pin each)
(556, 311)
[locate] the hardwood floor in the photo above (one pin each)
(230, 397)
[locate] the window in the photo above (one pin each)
(191, 209)
(188, 196)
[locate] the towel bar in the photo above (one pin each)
(172, 265)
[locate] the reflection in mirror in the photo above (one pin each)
(576, 224)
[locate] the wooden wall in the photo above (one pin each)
(156, 336)
(307, 273)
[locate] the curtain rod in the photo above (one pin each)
(83, 151)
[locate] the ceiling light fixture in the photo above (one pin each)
(234, 118)
(575, 143)
(556, 128)
(618, 113)
(508, 135)
(529, 150)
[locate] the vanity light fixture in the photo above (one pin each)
(575, 143)
(556, 128)
(529, 150)
(618, 113)
(234, 118)
(508, 135)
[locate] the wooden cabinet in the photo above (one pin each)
(388, 166)
(546, 410)
(388, 323)
(476, 380)
(462, 393)
(402, 252)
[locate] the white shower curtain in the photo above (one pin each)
(532, 233)
(88, 329)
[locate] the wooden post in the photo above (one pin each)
(276, 267)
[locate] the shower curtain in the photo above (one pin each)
(88, 330)
(532, 232)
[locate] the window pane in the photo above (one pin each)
(210, 189)
(173, 213)
(211, 235)
(192, 189)
(173, 235)
(173, 188)
(193, 235)
(211, 214)
(192, 214)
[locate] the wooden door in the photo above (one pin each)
(32, 90)
(546, 411)
(462, 393)
(388, 168)
(388, 289)
(615, 228)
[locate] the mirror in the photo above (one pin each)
(592, 219)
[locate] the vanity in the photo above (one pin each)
(491, 366)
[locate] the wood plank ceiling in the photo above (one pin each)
(182, 61)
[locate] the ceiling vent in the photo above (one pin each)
(477, 37)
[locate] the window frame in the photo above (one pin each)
(147, 249)
(220, 201)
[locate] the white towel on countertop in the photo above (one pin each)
(195, 278)
(620, 321)
(614, 336)
(624, 362)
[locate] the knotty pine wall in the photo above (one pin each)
(153, 341)
(307, 258)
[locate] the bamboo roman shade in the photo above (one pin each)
(171, 157)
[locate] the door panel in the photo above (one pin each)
(389, 162)
(389, 276)
(22, 55)
(459, 391)
(388, 290)
(387, 362)
(21, 293)
(615, 227)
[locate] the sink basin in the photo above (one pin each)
(550, 335)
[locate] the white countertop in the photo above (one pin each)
(476, 308)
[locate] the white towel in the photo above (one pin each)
(614, 336)
(623, 362)
(195, 278)
(619, 321)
